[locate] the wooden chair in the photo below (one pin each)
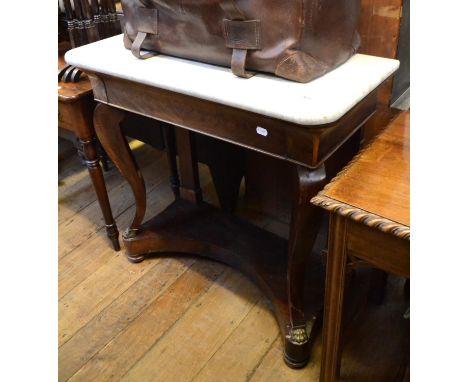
(85, 22)
(76, 105)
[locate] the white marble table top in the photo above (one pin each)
(323, 100)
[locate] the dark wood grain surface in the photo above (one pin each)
(379, 181)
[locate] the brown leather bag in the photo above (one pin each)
(296, 39)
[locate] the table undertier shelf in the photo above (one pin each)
(204, 230)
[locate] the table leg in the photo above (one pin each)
(226, 162)
(188, 163)
(84, 132)
(334, 298)
(95, 172)
(107, 125)
(171, 153)
(305, 225)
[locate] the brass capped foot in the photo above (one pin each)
(296, 348)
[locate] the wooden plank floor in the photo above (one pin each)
(183, 319)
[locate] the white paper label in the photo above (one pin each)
(262, 131)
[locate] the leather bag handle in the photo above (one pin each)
(241, 35)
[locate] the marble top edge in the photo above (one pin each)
(322, 101)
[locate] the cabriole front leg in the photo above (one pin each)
(305, 225)
(107, 125)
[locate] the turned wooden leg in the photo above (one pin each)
(305, 225)
(189, 177)
(334, 298)
(95, 172)
(100, 153)
(83, 128)
(107, 125)
(171, 153)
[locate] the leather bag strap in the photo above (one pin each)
(136, 46)
(147, 19)
(238, 59)
(241, 35)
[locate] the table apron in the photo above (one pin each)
(308, 146)
(382, 250)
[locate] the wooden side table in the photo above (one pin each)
(369, 225)
(306, 125)
(75, 107)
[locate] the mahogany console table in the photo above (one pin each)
(303, 124)
(369, 225)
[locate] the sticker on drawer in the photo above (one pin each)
(262, 131)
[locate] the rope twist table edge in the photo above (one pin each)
(374, 221)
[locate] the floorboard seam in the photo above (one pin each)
(252, 372)
(174, 323)
(135, 318)
(120, 294)
(227, 338)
